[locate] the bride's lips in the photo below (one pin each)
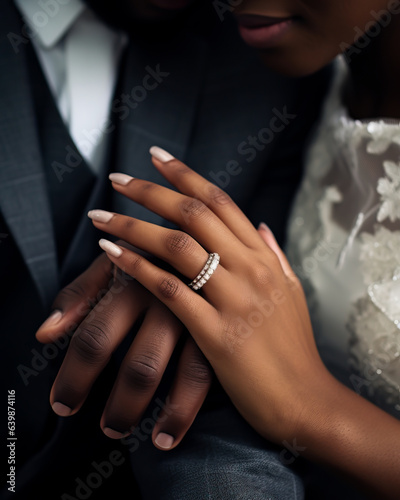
(261, 31)
(171, 4)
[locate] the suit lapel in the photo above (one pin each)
(164, 117)
(23, 197)
(84, 245)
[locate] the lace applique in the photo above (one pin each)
(378, 136)
(374, 321)
(382, 137)
(389, 189)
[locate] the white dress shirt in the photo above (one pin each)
(79, 56)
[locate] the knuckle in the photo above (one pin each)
(73, 290)
(178, 242)
(218, 196)
(197, 373)
(92, 342)
(262, 275)
(193, 207)
(134, 262)
(129, 222)
(147, 185)
(180, 168)
(169, 288)
(141, 372)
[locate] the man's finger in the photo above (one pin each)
(93, 343)
(76, 300)
(191, 386)
(141, 370)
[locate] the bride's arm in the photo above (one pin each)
(358, 439)
(251, 321)
(348, 434)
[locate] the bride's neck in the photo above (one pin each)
(374, 87)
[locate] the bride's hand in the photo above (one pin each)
(250, 319)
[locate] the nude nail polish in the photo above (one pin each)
(164, 440)
(121, 179)
(61, 409)
(264, 227)
(110, 248)
(112, 434)
(161, 154)
(100, 216)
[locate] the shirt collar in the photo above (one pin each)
(49, 24)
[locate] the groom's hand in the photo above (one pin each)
(98, 310)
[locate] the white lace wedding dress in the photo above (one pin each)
(344, 244)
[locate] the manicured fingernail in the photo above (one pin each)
(112, 434)
(100, 216)
(52, 320)
(61, 410)
(121, 179)
(164, 441)
(264, 227)
(110, 248)
(161, 154)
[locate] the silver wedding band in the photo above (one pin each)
(206, 273)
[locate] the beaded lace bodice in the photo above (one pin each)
(344, 244)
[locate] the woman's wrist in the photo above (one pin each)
(316, 413)
(344, 432)
(324, 422)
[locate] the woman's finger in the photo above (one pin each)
(192, 184)
(194, 311)
(190, 388)
(268, 236)
(176, 248)
(192, 215)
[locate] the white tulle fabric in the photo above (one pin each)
(344, 244)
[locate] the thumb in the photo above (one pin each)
(75, 301)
